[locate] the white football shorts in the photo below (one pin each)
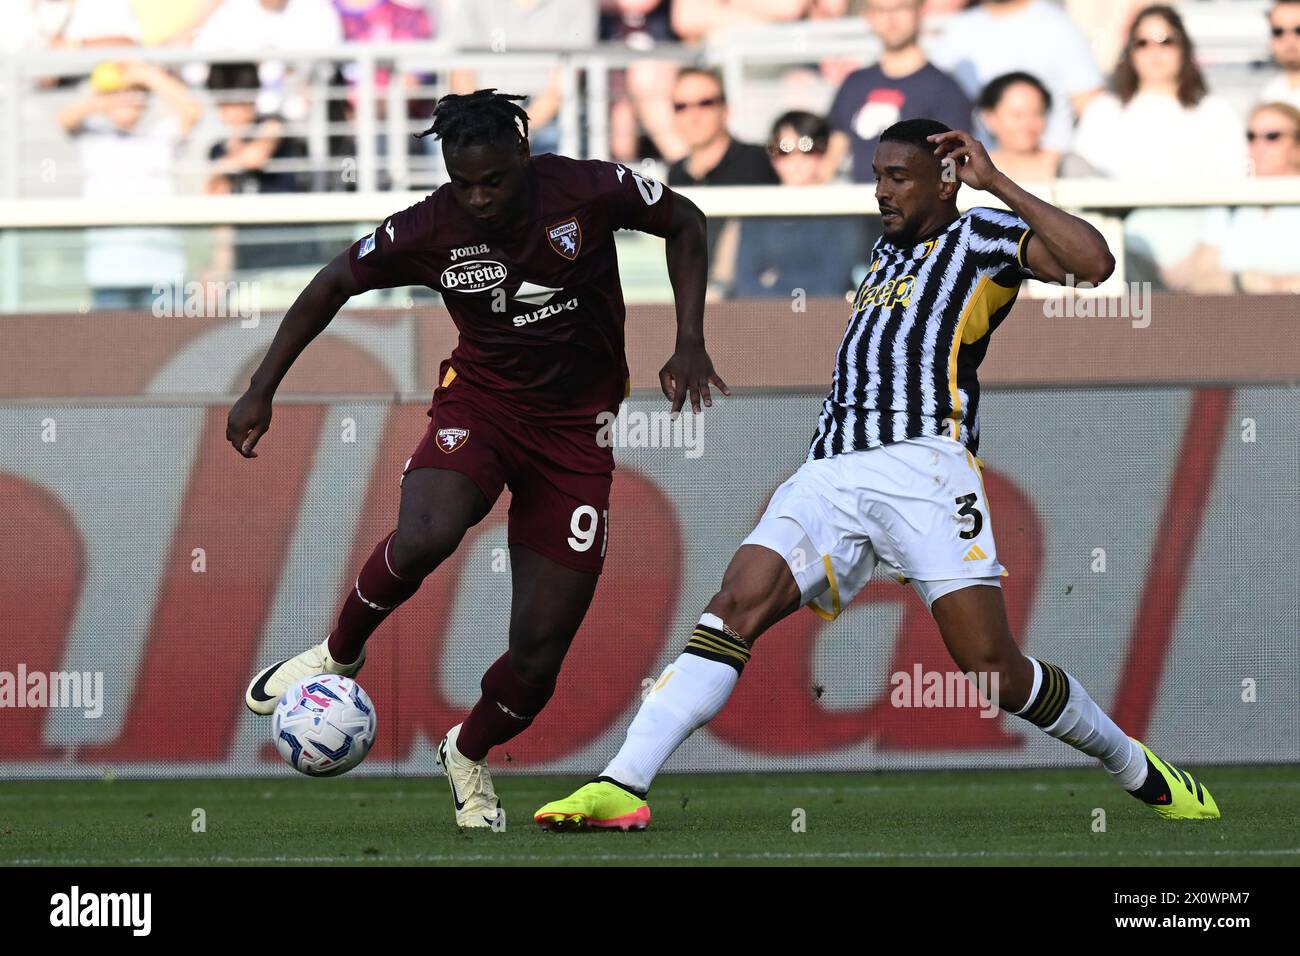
(916, 506)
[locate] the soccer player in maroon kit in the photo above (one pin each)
(522, 250)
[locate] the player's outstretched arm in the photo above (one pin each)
(311, 312)
(690, 370)
(1068, 246)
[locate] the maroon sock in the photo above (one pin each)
(506, 709)
(377, 591)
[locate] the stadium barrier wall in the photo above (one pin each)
(1144, 487)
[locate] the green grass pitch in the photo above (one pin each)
(1024, 817)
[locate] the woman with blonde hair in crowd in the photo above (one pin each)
(1257, 248)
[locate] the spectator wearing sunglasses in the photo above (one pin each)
(1284, 25)
(1253, 248)
(779, 254)
(1160, 123)
(714, 158)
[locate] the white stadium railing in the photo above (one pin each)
(1104, 202)
(1231, 34)
(1108, 196)
(1228, 34)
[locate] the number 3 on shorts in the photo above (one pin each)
(968, 510)
(584, 525)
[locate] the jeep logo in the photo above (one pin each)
(475, 275)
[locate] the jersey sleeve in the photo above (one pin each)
(999, 241)
(384, 259)
(635, 201)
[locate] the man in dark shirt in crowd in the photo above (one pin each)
(903, 85)
(714, 158)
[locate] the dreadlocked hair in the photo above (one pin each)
(484, 116)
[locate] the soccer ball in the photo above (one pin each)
(324, 725)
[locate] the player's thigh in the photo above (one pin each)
(437, 507)
(973, 623)
(758, 590)
(563, 516)
(451, 480)
(547, 606)
(926, 513)
(812, 528)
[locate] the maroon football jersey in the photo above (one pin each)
(540, 312)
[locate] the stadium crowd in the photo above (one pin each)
(1081, 88)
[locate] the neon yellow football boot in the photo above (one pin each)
(599, 804)
(1174, 794)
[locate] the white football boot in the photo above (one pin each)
(268, 686)
(477, 804)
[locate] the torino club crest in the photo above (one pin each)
(566, 237)
(449, 439)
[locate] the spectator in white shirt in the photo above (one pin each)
(102, 23)
(1161, 124)
(271, 25)
(1033, 36)
(1254, 248)
(126, 155)
(262, 28)
(502, 27)
(1284, 25)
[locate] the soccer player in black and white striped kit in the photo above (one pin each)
(891, 477)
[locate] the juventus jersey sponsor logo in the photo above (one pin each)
(450, 439)
(566, 237)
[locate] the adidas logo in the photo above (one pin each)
(976, 553)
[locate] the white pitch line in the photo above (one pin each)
(664, 788)
(651, 857)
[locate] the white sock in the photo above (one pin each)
(1087, 728)
(689, 693)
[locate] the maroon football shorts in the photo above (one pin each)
(559, 476)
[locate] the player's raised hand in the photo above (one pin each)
(690, 372)
(248, 421)
(971, 160)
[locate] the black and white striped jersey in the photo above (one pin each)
(919, 329)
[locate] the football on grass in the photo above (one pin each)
(324, 725)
